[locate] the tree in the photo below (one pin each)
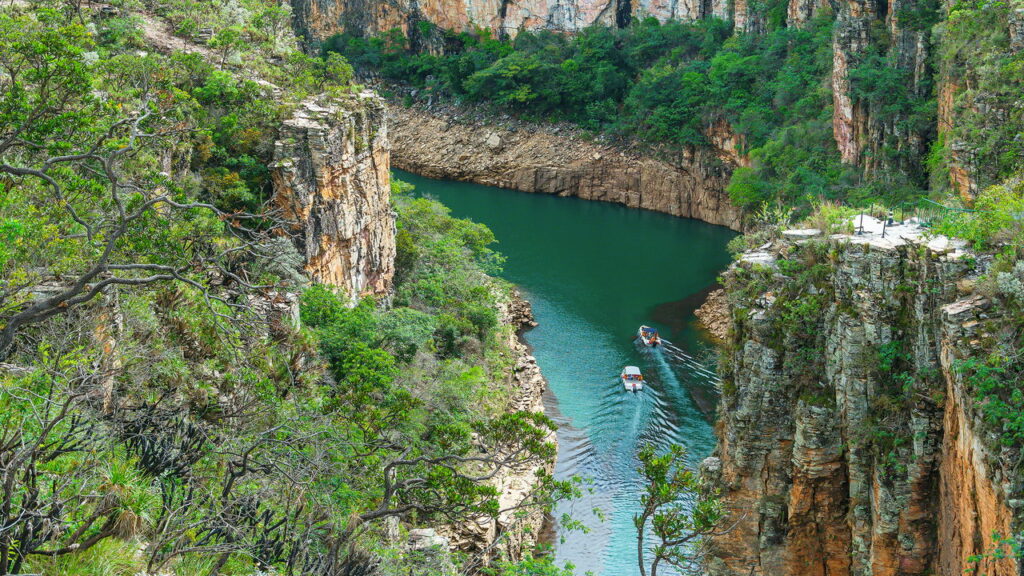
(63, 488)
(273, 20)
(226, 41)
(675, 510)
(85, 206)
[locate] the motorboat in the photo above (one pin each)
(632, 379)
(649, 336)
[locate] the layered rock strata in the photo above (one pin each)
(713, 315)
(848, 443)
(555, 160)
(331, 178)
(318, 19)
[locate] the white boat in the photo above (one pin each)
(632, 379)
(649, 336)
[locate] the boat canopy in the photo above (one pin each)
(631, 371)
(648, 330)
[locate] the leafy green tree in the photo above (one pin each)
(226, 42)
(674, 510)
(81, 193)
(273, 20)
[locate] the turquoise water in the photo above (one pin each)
(594, 272)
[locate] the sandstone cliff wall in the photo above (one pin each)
(319, 19)
(848, 444)
(539, 159)
(331, 177)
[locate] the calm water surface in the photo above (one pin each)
(594, 272)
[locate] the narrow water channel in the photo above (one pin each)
(594, 272)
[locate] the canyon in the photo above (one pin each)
(825, 464)
(554, 160)
(825, 467)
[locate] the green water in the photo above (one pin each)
(594, 272)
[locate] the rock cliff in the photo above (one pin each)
(869, 132)
(319, 19)
(552, 160)
(849, 442)
(331, 178)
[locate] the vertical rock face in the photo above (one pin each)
(331, 177)
(318, 19)
(847, 442)
(799, 12)
(974, 481)
(979, 106)
(549, 161)
(871, 134)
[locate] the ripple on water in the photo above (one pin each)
(594, 272)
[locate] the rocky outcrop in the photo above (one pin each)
(976, 486)
(869, 131)
(516, 532)
(331, 176)
(713, 315)
(848, 442)
(800, 12)
(556, 160)
(318, 19)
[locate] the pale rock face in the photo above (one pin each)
(800, 12)
(540, 160)
(318, 19)
(810, 491)
(331, 178)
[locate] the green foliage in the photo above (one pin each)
(747, 190)
(675, 508)
(662, 82)
(184, 424)
(996, 222)
(976, 56)
(422, 372)
(443, 265)
(996, 384)
(543, 565)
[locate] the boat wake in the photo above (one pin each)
(682, 358)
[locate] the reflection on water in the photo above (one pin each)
(594, 272)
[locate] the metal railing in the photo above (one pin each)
(926, 211)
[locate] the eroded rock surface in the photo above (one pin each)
(849, 443)
(713, 314)
(539, 159)
(318, 19)
(331, 178)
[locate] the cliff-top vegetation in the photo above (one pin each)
(174, 397)
(674, 85)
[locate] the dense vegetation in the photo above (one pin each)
(664, 83)
(675, 84)
(977, 57)
(175, 398)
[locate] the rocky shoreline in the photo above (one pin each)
(514, 534)
(713, 315)
(457, 144)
